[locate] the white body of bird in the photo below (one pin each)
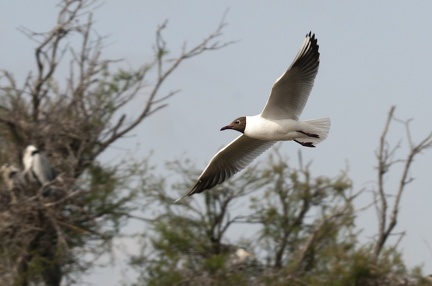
(38, 166)
(261, 128)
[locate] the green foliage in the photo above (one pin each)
(304, 233)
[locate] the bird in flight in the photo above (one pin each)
(279, 121)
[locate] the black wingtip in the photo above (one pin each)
(194, 190)
(310, 35)
(179, 199)
(312, 38)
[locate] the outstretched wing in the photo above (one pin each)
(228, 161)
(290, 92)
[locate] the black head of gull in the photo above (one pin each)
(239, 124)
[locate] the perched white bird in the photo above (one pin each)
(279, 121)
(241, 256)
(38, 166)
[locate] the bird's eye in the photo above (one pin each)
(237, 121)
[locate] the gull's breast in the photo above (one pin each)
(261, 128)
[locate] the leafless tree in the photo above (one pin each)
(73, 121)
(386, 157)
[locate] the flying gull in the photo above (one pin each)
(279, 121)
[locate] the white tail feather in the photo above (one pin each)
(319, 126)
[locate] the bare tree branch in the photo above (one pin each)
(385, 157)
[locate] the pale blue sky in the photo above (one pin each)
(374, 54)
